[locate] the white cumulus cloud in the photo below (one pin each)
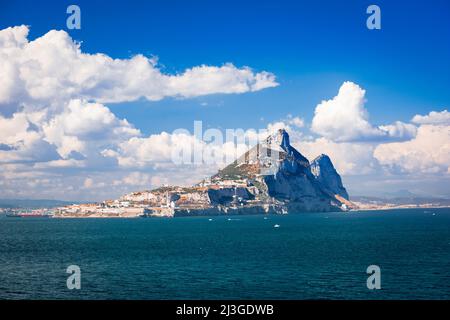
(348, 158)
(428, 152)
(345, 118)
(434, 117)
(52, 68)
(82, 123)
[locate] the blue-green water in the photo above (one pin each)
(310, 256)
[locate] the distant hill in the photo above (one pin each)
(33, 203)
(411, 200)
(403, 193)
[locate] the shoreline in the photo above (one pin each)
(258, 214)
(400, 207)
(135, 216)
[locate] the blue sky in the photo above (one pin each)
(312, 48)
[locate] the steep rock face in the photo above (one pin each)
(272, 177)
(226, 196)
(282, 174)
(323, 170)
(293, 181)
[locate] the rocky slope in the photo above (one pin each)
(323, 170)
(283, 174)
(272, 177)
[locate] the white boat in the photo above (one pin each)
(276, 226)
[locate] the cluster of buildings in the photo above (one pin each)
(111, 208)
(166, 201)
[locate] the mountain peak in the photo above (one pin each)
(284, 174)
(323, 158)
(278, 138)
(323, 170)
(271, 177)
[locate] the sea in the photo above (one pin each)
(295, 256)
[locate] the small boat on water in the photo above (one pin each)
(276, 226)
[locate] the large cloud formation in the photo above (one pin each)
(57, 136)
(59, 139)
(344, 118)
(428, 152)
(433, 117)
(400, 154)
(52, 68)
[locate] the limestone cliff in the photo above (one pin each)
(323, 170)
(272, 177)
(283, 174)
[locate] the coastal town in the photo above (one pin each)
(138, 205)
(257, 183)
(253, 184)
(165, 201)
